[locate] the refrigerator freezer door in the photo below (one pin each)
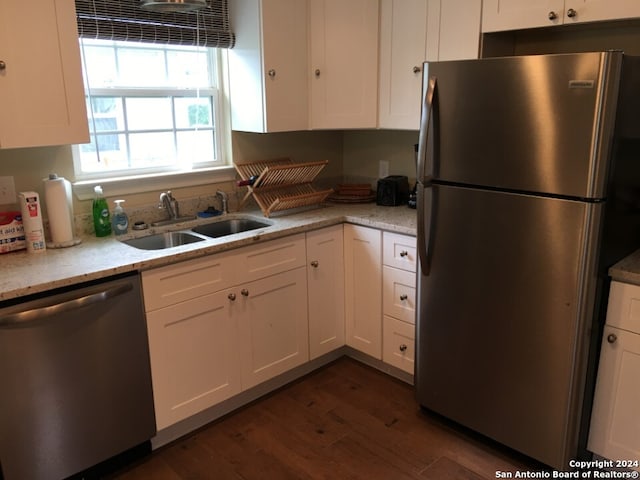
(500, 316)
(531, 123)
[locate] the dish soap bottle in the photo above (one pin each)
(120, 219)
(101, 221)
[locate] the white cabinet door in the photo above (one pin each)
(459, 29)
(363, 289)
(403, 48)
(268, 66)
(325, 283)
(272, 321)
(615, 420)
(41, 90)
(194, 354)
(595, 10)
(500, 15)
(343, 63)
(414, 31)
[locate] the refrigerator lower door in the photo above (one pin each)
(501, 334)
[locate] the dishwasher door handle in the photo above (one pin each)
(25, 317)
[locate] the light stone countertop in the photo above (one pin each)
(627, 270)
(23, 273)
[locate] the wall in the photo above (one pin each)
(363, 149)
(29, 166)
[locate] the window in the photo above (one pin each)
(152, 109)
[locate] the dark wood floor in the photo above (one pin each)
(345, 421)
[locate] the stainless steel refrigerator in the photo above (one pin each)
(528, 182)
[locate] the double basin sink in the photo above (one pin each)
(220, 228)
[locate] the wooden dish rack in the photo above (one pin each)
(282, 184)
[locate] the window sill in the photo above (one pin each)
(115, 187)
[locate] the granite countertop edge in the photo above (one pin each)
(627, 270)
(96, 258)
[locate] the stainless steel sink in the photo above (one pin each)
(229, 227)
(160, 241)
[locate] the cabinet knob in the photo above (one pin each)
(403, 348)
(612, 338)
(317, 72)
(271, 73)
(416, 69)
(404, 253)
(244, 292)
(315, 264)
(3, 65)
(403, 297)
(232, 297)
(571, 13)
(553, 15)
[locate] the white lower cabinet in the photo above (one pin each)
(272, 324)
(363, 289)
(195, 361)
(325, 283)
(399, 301)
(615, 419)
(224, 323)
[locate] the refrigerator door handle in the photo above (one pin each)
(427, 134)
(425, 226)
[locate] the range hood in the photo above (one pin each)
(172, 5)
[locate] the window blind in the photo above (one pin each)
(125, 20)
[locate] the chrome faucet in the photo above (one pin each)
(170, 204)
(225, 200)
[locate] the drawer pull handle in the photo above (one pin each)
(244, 292)
(612, 338)
(404, 253)
(232, 297)
(552, 15)
(315, 264)
(403, 297)
(571, 13)
(403, 348)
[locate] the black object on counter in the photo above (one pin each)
(393, 191)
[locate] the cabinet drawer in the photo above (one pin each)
(398, 344)
(399, 251)
(399, 297)
(624, 307)
(275, 256)
(183, 281)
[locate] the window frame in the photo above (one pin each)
(124, 182)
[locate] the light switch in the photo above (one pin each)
(7, 191)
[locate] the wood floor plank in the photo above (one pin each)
(345, 421)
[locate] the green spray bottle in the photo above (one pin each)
(101, 217)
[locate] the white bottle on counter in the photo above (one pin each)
(32, 222)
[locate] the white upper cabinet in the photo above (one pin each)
(268, 66)
(412, 31)
(403, 48)
(343, 63)
(41, 90)
(500, 15)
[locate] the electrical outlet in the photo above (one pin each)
(7, 191)
(383, 169)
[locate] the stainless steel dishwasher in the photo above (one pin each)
(75, 381)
